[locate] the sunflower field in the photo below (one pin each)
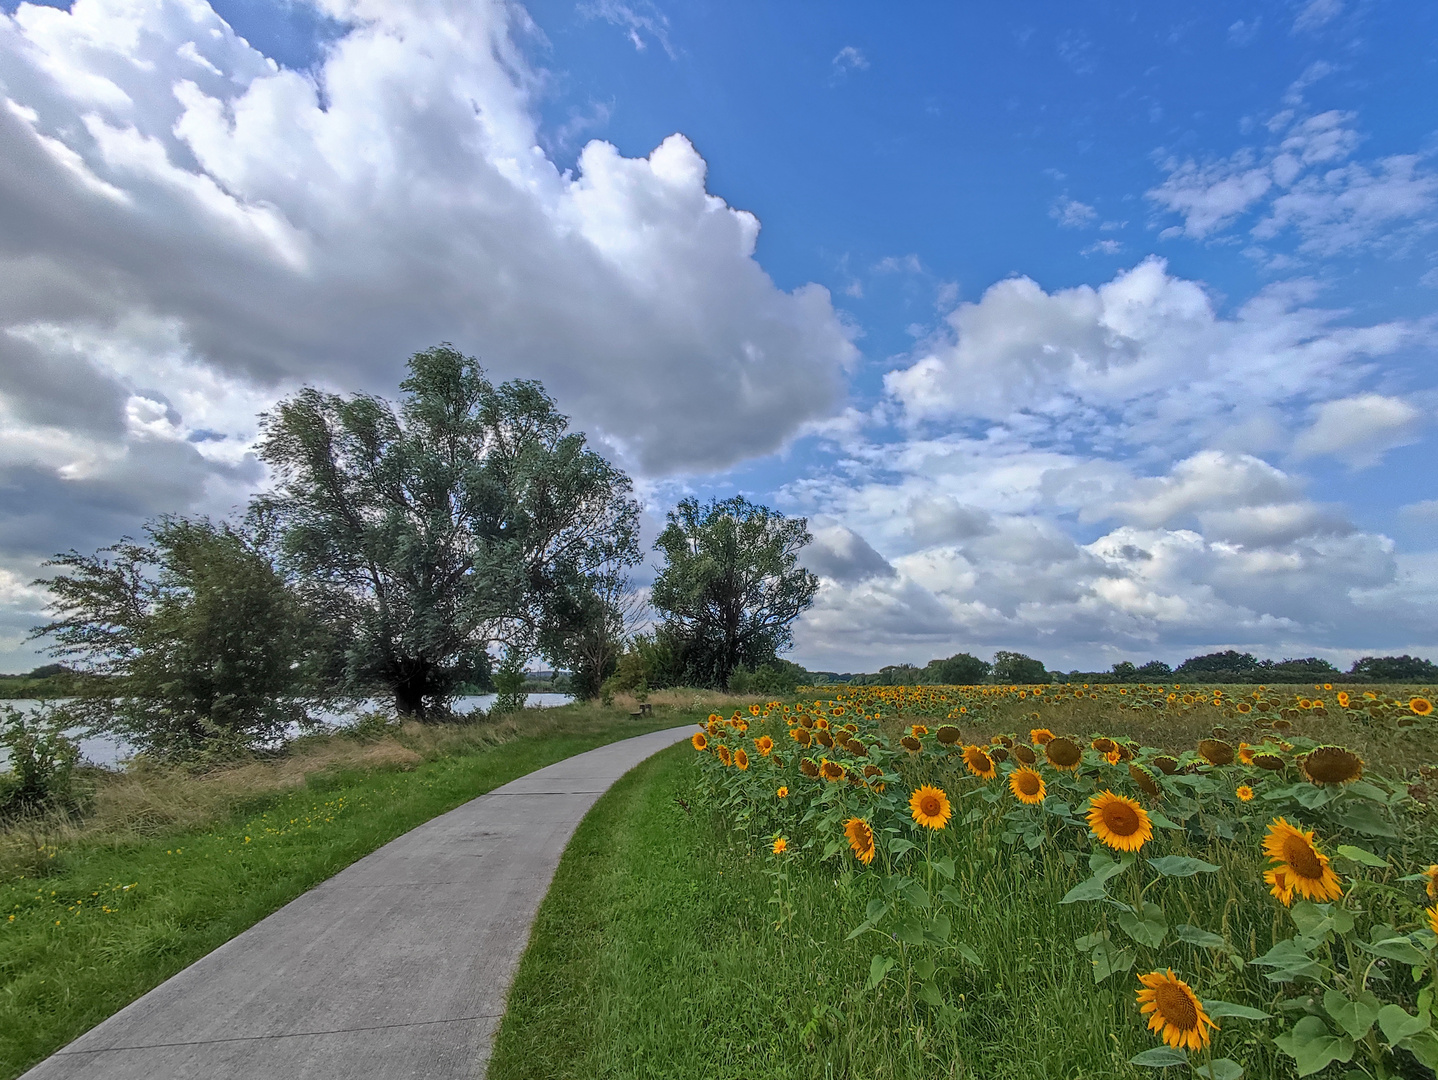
(1242, 895)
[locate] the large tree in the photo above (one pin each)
(731, 586)
(467, 520)
(202, 642)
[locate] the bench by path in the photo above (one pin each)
(397, 967)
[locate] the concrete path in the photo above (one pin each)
(396, 967)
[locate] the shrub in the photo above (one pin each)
(42, 763)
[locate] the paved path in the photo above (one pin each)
(396, 967)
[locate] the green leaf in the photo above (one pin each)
(929, 995)
(1202, 938)
(1163, 821)
(1088, 941)
(1423, 1046)
(944, 866)
(832, 848)
(1220, 1069)
(924, 969)
(1354, 1016)
(1316, 921)
(938, 929)
(1312, 797)
(1398, 1024)
(950, 895)
(915, 894)
(1160, 1057)
(1108, 959)
(1219, 1009)
(1105, 867)
(1181, 866)
(1092, 889)
(898, 845)
(909, 932)
(858, 931)
(968, 954)
(1391, 945)
(876, 910)
(1367, 819)
(1313, 1047)
(1149, 928)
(879, 966)
(1360, 855)
(1367, 790)
(1289, 961)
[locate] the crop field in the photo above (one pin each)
(1005, 882)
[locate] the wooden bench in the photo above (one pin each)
(645, 709)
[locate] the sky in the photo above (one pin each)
(1096, 331)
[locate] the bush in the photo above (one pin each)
(42, 763)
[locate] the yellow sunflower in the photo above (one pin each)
(1216, 751)
(783, 793)
(1420, 706)
(1301, 869)
(930, 807)
(832, 771)
(780, 845)
(1331, 765)
(741, 758)
(801, 736)
(1025, 754)
(978, 762)
(1244, 793)
(808, 768)
(1063, 754)
(1027, 786)
(1343, 698)
(918, 730)
(1174, 1011)
(1119, 822)
(1040, 736)
(763, 744)
(1432, 914)
(948, 735)
(725, 757)
(911, 744)
(699, 741)
(861, 839)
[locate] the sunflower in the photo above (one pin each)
(930, 807)
(821, 724)
(1063, 754)
(1104, 745)
(917, 730)
(911, 744)
(1301, 868)
(1216, 751)
(861, 839)
(1040, 736)
(832, 771)
(948, 735)
(999, 754)
(808, 768)
(1244, 793)
(741, 759)
(806, 721)
(1420, 706)
(1266, 760)
(1331, 765)
(1174, 1011)
(1431, 874)
(1244, 707)
(763, 744)
(783, 792)
(978, 762)
(1027, 786)
(1143, 777)
(802, 736)
(824, 739)
(1119, 822)
(780, 845)
(1343, 698)
(699, 741)
(1025, 754)
(725, 757)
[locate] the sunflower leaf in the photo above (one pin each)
(1109, 959)
(968, 954)
(1289, 961)
(1160, 1057)
(1195, 936)
(1220, 1069)
(944, 866)
(1312, 1046)
(1163, 821)
(1423, 1046)
(929, 995)
(1148, 928)
(1181, 866)
(1219, 1009)
(1391, 945)
(1355, 1016)
(938, 929)
(1398, 1024)
(878, 967)
(1092, 889)
(1365, 818)
(1363, 789)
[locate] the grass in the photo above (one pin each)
(169, 865)
(658, 951)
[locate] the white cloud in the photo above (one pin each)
(1359, 430)
(1072, 214)
(1317, 13)
(639, 19)
(849, 59)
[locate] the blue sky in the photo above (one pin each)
(1099, 331)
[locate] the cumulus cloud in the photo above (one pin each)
(842, 555)
(1072, 214)
(1359, 430)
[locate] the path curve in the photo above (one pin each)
(397, 967)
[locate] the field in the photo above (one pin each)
(1002, 924)
(168, 863)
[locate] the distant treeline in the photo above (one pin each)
(46, 681)
(1219, 667)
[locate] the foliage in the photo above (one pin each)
(731, 585)
(470, 517)
(509, 686)
(1395, 669)
(203, 638)
(41, 776)
(780, 677)
(961, 669)
(1015, 667)
(611, 611)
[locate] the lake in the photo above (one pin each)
(110, 752)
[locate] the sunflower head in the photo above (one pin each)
(1244, 793)
(741, 758)
(978, 762)
(1174, 1011)
(1144, 779)
(724, 755)
(1027, 786)
(999, 754)
(780, 845)
(808, 768)
(930, 807)
(783, 792)
(1040, 736)
(1104, 745)
(764, 745)
(832, 771)
(1119, 822)
(1299, 866)
(699, 741)
(918, 730)
(1431, 881)
(1063, 754)
(802, 736)
(824, 739)
(1266, 760)
(1343, 698)
(861, 839)
(1331, 765)
(948, 734)
(1216, 751)
(1025, 754)
(911, 744)
(1420, 706)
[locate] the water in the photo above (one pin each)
(110, 752)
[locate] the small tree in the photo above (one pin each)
(1124, 671)
(469, 520)
(612, 614)
(961, 669)
(202, 641)
(1154, 671)
(1395, 669)
(1015, 667)
(731, 586)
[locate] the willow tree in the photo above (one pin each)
(464, 523)
(731, 586)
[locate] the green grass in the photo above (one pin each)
(66, 963)
(655, 955)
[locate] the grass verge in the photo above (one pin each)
(93, 914)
